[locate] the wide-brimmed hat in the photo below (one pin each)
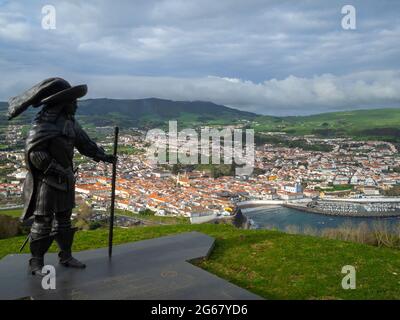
(69, 94)
(49, 91)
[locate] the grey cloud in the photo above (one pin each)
(289, 96)
(292, 56)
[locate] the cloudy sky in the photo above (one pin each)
(271, 57)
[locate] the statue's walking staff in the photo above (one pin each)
(25, 242)
(113, 180)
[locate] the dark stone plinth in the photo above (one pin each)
(150, 269)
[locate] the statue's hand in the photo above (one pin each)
(102, 156)
(109, 158)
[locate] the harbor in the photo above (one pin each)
(349, 209)
(322, 213)
(285, 219)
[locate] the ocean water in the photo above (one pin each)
(282, 218)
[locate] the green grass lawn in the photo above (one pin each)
(12, 212)
(153, 218)
(344, 187)
(272, 264)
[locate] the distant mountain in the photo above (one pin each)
(153, 112)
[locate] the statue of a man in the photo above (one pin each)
(49, 187)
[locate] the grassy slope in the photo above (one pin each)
(12, 212)
(156, 113)
(273, 264)
(153, 218)
(349, 122)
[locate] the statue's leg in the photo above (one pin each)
(40, 242)
(64, 236)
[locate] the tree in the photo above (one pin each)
(393, 192)
(175, 169)
(9, 226)
(84, 214)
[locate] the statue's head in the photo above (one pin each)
(66, 95)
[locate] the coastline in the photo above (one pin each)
(256, 208)
(240, 220)
(244, 222)
(294, 218)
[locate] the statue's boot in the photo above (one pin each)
(38, 247)
(64, 239)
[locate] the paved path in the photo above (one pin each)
(150, 269)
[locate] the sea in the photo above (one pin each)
(287, 219)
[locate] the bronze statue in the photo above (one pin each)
(49, 187)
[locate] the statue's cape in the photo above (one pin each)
(40, 132)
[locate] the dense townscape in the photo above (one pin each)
(352, 170)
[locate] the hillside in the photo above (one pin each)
(272, 264)
(155, 112)
(374, 124)
(152, 112)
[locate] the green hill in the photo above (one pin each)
(152, 112)
(145, 113)
(272, 264)
(374, 124)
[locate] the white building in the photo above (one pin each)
(296, 188)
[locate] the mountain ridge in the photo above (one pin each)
(153, 112)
